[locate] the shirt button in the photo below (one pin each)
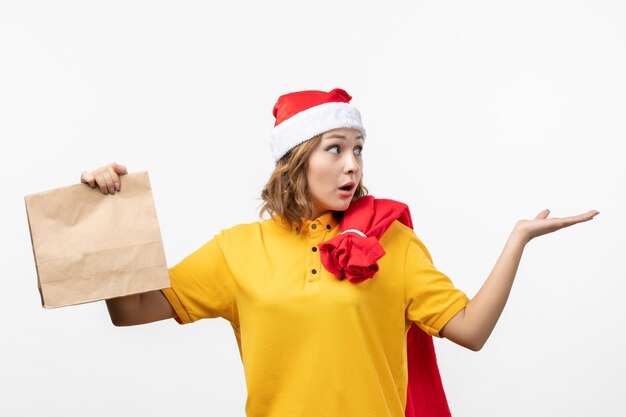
(314, 249)
(328, 226)
(313, 226)
(314, 271)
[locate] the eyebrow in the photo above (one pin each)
(338, 136)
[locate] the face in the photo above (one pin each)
(334, 169)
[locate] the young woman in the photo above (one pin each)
(312, 342)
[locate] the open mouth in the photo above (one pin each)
(347, 187)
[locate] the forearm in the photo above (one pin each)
(139, 308)
(122, 310)
(484, 309)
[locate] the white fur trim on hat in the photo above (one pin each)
(311, 122)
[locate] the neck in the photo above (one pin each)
(338, 215)
(316, 214)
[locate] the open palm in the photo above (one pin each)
(541, 225)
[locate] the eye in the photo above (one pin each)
(359, 150)
(333, 147)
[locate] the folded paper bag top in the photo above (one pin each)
(89, 246)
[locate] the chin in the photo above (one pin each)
(342, 207)
(333, 205)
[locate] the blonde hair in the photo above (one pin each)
(287, 193)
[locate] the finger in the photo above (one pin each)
(115, 178)
(543, 214)
(102, 183)
(87, 178)
(571, 220)
(587, 216)
(120, 169)
(110, 183)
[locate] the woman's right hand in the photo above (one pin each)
(106, 177)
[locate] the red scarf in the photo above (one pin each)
(353, 255)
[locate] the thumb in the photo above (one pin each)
(119, 169)
(87, 178)
(543, 214)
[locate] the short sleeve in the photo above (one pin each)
(201, 285)
(431, 298)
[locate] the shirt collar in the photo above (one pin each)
(325, 222)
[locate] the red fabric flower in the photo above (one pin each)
(354, 253)
(353, 256)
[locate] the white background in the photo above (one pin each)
(478, 114)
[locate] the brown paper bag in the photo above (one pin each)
(89, 246)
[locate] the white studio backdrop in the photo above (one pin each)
(478, 114)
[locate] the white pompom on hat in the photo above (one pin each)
(302, 115)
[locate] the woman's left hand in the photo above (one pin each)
(541, 225)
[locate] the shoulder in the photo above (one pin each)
(239, 233)
(245, 234)
(401, 237)
(398, 231)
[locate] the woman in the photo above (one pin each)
(313, 343)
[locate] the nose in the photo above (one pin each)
(351, 164)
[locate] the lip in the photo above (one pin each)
(350, 184)
(348, 193)
(345, 194)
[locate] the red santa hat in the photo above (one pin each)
(302, 115)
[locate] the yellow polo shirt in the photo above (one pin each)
(312, 345)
